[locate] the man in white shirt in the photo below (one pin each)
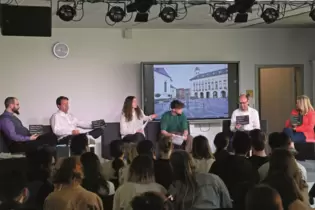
(244, 118)
(65, 125)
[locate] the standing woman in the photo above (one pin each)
(300, 126)
(132, 119)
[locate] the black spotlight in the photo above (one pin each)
(270, 15)
(220, 14)
(116, 14)
(168, 14)
(66, 12)
(312, 14)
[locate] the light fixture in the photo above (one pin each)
(270, 15)
(116, 14)
(312, 14)
(220, 14)
(66, 12)
(168, 14)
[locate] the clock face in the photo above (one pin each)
(61, 50)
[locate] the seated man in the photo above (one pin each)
(18, 137)
(65, 125)
(174, 122)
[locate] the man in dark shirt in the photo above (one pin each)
(174, 122)
(17, 137)
(259, 156)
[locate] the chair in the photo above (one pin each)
(3, 145)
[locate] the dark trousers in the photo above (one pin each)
(134, 138)
(48, 139)
(95, 133)
(296, 137)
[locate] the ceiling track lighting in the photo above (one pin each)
(67, 11)
(167, 13)
(116, 14)
(312, 12)
(270, 15)
(220, 14)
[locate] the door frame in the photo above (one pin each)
(298, 67)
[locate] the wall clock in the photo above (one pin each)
(61, 50)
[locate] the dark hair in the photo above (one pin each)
(176, 104)
(127, 109)
(8, 101)
(145, 147)
(241, 143)
(11, 185)
(150, 200)
(221, 141)
(279, 140)
(60, 98)
(262, 197)
(184, 179)
(142, 170)
(258, 139)
(67, 171)
(117, 151)
(201, 148)
(78, 144)
(165, 144)
(93, 179)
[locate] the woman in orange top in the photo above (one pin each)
(300, 126)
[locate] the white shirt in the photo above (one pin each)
(254, 122)
(132, 126)
(63, 124)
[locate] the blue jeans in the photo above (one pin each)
(296, 137)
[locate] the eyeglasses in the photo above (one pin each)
(243, 102)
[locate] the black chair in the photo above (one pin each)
(111, 133)
(3, 145)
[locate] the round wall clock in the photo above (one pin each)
(61, 50)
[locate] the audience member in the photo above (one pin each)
(191, 190)
(259, 157)
(65, 125)
(131, 121)
(263, 197)
(300, 126)
(285, 176)
(151, 201)
(221, 142)
(68, 194)
(280, 141)
(140, 180)
(17, 137)
(162, 166)
(202, 155)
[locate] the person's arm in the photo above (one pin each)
(164, 125)
(57, 128)
(9, 131)
(225, 199)
(145, 117)
(288, 123)
(256, 121)
(233, 122)
(125, 126)
(82, 124)
(309, 126)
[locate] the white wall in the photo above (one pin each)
(103, 68)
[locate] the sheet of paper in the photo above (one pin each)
(144, 125)
(178, 140)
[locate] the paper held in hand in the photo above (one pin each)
(177, 140)
(144, 125)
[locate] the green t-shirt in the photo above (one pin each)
(174, 123)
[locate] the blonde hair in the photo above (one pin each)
(130, 151)
(304, 104)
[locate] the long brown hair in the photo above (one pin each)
(127, 109)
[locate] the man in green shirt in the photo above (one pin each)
(174, 122)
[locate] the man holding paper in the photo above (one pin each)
(174, 124)
(244, 118)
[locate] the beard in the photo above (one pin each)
(16, 111)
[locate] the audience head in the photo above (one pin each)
(12, 104)
(165, 146)
(201, 148)
(182, 164)
(263, 197)
(177, 107)
(79, 144)
(258, 139)
(117, 152)
(131, 151)
(142, 170)
(131, 105)
(241, 143)
(303, 104)
(221, 141)
(145, 147)
(70, 172)
(243, 101)
(62, 103)
(152, 201)
(279, 141)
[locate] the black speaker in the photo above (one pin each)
(25, 21)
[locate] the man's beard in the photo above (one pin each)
(16, 111)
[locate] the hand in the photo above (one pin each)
(34, 137)
(238, 126)
(294, 128)
(294, 125)
(140, 131)
(75, 132)
(185, 137)
(153, 116)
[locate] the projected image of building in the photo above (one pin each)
(163, 88)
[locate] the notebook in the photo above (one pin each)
(36, 129)
(98, 124)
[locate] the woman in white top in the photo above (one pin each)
(131, 121)
(201, 153)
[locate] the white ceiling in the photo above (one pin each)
(197, 18)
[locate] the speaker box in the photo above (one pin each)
(25, 21)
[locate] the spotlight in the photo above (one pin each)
(116, 14)
(220, 14)
(168, 14)
(312, 14)
(66, 13)
(270, 15)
